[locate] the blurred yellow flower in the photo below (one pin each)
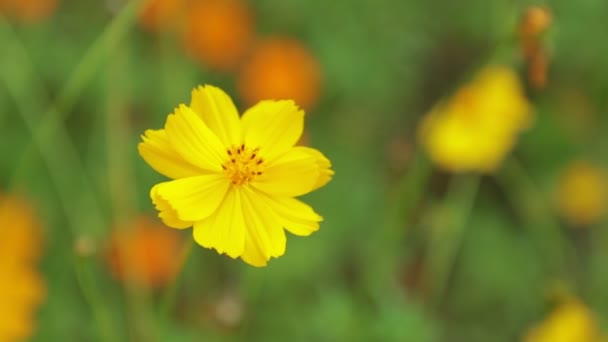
(21, 286)
(571, 321)
(477, 127)
(28, 10)
(582, 194)
(280, 68)
(145, 253)
(235, 178)
(218, 33)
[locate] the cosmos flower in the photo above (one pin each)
(582, 193)
(218, 33)
(570, 321)
(145, 252)
(281, 68)
(21, 287)
(478, 126)
(235, 178)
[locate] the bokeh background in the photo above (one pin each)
(411, 249)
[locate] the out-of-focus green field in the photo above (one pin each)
(407, 251)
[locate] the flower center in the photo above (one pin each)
(243, 164)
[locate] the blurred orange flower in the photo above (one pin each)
(478, 126)
(534, 23)
(218, 33)
(22, 289)
(280, 68)
(160, 15)
(28, 10)
(571, 321)
(582, 193)
(146, 253)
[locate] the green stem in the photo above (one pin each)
(534, 208)
(448, 232)
(410, 190)
(168, 299)
(92, 295)
(408, 193)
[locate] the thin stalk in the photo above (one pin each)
(408, 193)
(534, 208)
(168, 300)
(92, 295)
(448, 232)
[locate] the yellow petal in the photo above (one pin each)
(252, 254)
(194, 198)
(160, 155)
(166, 213)
(194, 141)
(218, 112)
(224, 230)
(263, 230)
(273, 127)
(294, 215)
(295, 173)
(325, 171)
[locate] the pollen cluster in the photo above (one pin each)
(243, 164)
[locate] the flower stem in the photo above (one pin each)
(532, 206)
(390, 241)
(448, 232)
(92, 295)
(168, 299)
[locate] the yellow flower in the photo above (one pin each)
(477, 127)
(21, 287)
(571, 321)
(235, 179)
(582, 194)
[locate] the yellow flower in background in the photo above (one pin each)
(571, 321)
(235, 178)
(478, 126)
(281, 68)
(582, 194)
(21, 286)
(145, 252)
(218, 33)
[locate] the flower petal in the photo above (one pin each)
(194, 198)
(225, 229)
(166, 213)
(273, 127)
(194, 141)
(294, 215)
(160, 155)
(253, 255)
(218, 112)
(295, 173)
(325, 171)
(264, 232)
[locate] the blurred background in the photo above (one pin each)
(468, 138)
